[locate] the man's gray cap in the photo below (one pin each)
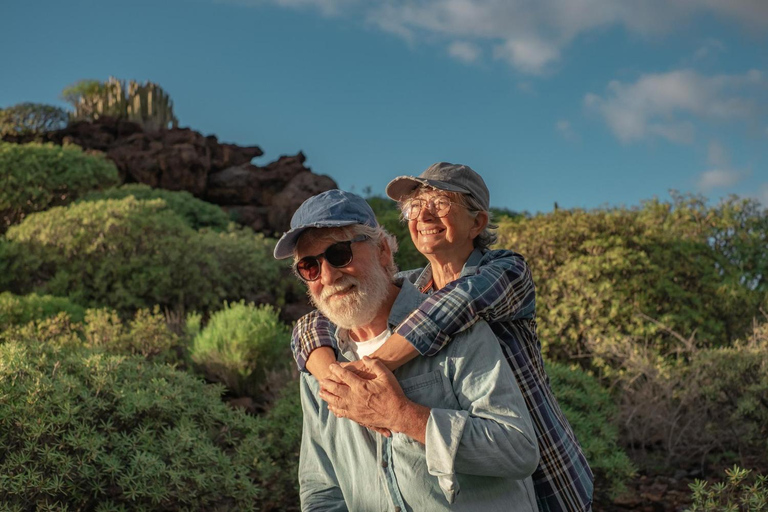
(443, 176)
(331, 209)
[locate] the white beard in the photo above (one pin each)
(360, 305)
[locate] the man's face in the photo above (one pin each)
(349, 296)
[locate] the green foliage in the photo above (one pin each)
(740, 492)
(20, 310)
(198, 214)
(281, 436)
(240, 345)
(31, 119)
(130, 254)
(639, 275)
(84, 430)
(146, 335)
(34, 177)
(388, 215)
(702, 401)
(591, 412)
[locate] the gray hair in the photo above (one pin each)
(377, 235)
(487, 236)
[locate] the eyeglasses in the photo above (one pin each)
(438, 206)
(337, 255)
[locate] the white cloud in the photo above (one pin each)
(530, 55)
(722, 174)
(663, 104)
(464, 51)
(710, 48)
(531, 36)
(564, 128)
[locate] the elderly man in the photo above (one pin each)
(461, 438)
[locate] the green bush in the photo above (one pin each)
(146, 335)
(240, 345)
(34, 177)
(20, 310)
(84, 430)
(197, 213)
(641, 274)
(740, 492)
(701, 402)
(591, 412)
(31, 119)
(129, 254)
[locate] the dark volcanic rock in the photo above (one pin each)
(263, 198)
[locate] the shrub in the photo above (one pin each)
(702, 401)
(34, 177)
(31, 119)
(641, 274)
(240, 345)
(85, 430)
(146, 335)
(20, 310)
(129, 254)
(197, 213)
(592, 413)
(741, 492)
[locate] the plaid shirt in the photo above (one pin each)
(496, 286)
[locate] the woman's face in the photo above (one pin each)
(444, 236)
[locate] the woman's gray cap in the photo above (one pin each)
(331, 209)
(443, 176)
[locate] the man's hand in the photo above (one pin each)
(377, 402)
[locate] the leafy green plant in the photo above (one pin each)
(702, 401)
(620, 275)
(741, 491)
(20, 310)
(31, 119)
(197, 213)
(240, 345)
(81, 429)
(591, 412)
(146, 335)
(131, 254)
(34, 177)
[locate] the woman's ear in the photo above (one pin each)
(481, 221)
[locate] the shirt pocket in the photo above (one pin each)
(431, 390)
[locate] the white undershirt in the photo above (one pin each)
(363, 348)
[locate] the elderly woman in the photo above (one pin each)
(446, 208)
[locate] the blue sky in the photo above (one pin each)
(587, 103)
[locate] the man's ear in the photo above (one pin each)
(481, 221)
(385, 253)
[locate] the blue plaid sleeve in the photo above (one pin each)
(500, 289)
(312, 331)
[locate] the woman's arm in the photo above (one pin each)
(313, 344)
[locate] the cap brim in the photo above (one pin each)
(287, 243)
(404, 185)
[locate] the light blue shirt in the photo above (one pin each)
(480, 445)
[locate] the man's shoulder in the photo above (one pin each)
(478, 336)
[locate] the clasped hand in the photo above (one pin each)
(366, 392)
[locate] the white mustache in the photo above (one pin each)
(346, 282)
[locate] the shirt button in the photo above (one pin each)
(383, 463)
(397, 509)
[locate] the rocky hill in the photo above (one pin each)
(183, 159)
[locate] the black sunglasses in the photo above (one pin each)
(337, 255)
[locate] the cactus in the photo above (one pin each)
(146, 104)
